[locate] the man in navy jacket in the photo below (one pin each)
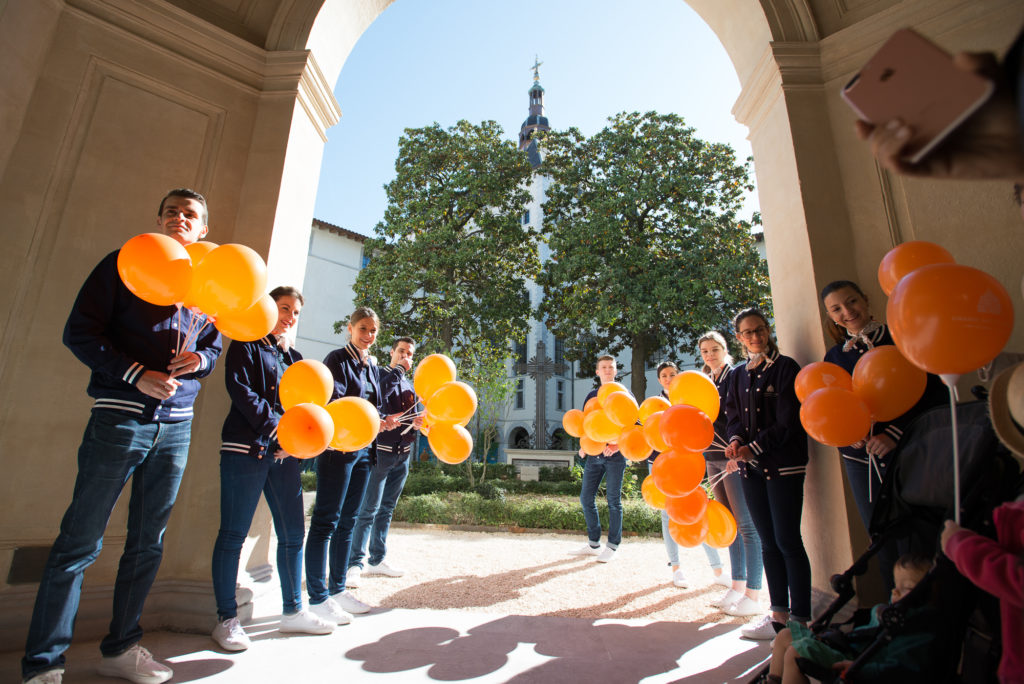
(390, 470)
(144, 388)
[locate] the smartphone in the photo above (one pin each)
(912, 79)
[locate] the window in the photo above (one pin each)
(560, 394)
(520, 394)
(560, 355)
(520, 352)
(526, 217)
(366, 261)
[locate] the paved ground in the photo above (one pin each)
(485, 607)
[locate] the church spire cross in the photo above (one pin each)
(536, 69)
(540, 368)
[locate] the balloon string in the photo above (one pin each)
(956, 454)
(717, 478)
(178, 326)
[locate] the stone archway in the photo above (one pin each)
(108, 103)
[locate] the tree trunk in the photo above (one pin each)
(638, 368)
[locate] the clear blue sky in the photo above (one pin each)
(423, 61)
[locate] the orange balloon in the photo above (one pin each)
(633, 445)
(604, 390)
(687, 427)
(305, 430)
(677, 473)
(572, 422)
(196, 252)
(230, 278)
(432, 372)
(721, 525)
(452, 402)
(590, 447)
(689, 508)
(696, 389)
(652, 431)
(887, 383)
(600, 428)
(252, 324)
(356, 423)
(908, 257)
(425, 427)
(654, 497)
(950, 319)
(450, 443)
(835, 417)
(621, 408)
(156, 268)
(306, 381)
(688, 535)
(652, 405)
(592, 405)
(819, 374)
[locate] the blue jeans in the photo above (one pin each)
(865, 497)
(671, 548)
(243, 478)
(340, 483)
(745, 551)
(114, 448)
(776, 506)
(387, 478)
(611, 469)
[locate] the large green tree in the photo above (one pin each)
(448, 263)
(647, 248)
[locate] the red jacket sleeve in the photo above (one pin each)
(988, 565)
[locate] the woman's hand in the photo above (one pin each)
(732, 467)
(610, 449)
(948, 531)
(730, 451)
(744, 454)
(879, 445)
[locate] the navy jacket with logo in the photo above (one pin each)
(398, 398)
(252, 375)
(119, 337)
(764, 413)
(353, 378)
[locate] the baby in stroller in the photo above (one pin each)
(834, 649)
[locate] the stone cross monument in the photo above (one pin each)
(540, 368)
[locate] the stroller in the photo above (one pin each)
(916, 497)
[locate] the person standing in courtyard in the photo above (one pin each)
(766, 437)
(140, 428)
(389, 471)
(342, 478)
(253, 463)
(610, 467)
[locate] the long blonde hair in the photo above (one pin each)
(718, 339)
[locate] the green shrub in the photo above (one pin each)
(426, 508)
(308, 481)
(555, 474)
(490, 490)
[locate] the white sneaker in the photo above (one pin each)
(230, 636)
(586, 550)
(723, 581)
(54, 676)
(606, 556)
(331, 612)
(727, 599)
(352, 577)
(350, 603)
(679, 579)
(744, 607)
(762, 630)
(383, 568)
(305, 622)
(136, 665)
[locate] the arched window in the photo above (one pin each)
(519, 438)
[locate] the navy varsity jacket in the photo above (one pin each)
(722, 421)
(252, 372)
(119, 337)
(353, 378)
(398, 398)
(764, 414)
(935, 393)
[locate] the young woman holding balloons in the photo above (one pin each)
(252, 463)
(765, 435)
(342, 478)
(855, 333)
(740, 599)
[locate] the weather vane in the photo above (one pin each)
(536, 69)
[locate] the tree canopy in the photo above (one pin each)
(647, 249)
(449, 262)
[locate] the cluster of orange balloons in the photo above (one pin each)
(946, 318)
(225, 282)
(449, 405)
(310, 424)
(838, 409)
(680, 428)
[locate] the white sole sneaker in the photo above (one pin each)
(606, 556)
(743, 607)
(305, 622)
(586, 550)
(350, 603)
(383, 569)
